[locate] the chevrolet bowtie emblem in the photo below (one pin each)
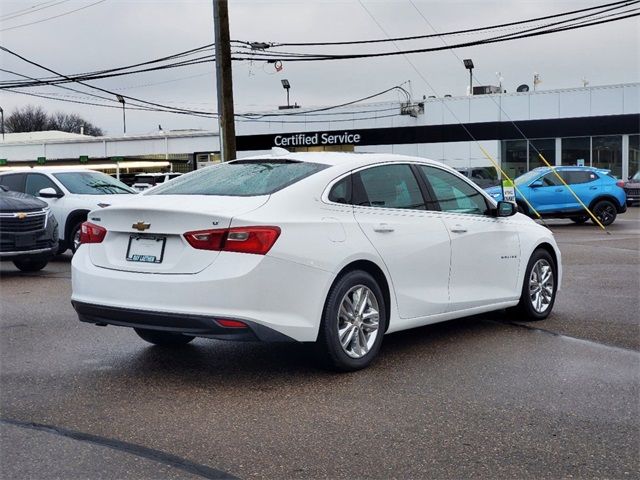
(21, 215)
(141, 226)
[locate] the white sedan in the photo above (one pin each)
(332, 248)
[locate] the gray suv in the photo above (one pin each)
(28, 231)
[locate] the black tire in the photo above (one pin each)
(164, 339)
(580, 220)
(605, 211)
(75, 231)
(328, 345)
(526, 307)
(30, 265)
(522, 208)
(62, 247)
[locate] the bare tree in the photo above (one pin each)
(35, 119)
(27, 119)
(71, 122)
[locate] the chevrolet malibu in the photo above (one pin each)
(332, 248)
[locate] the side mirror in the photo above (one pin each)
(506, 209)
(536, 184)
(49, 192)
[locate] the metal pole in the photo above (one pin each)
(288, 105)
(471, 81)
(124, 120)
(2, 113)
(224, 82)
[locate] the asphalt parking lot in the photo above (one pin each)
(486, 397)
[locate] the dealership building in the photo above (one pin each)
(597, 126)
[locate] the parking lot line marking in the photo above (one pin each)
(131, 448)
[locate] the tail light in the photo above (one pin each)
(256, 240)
(620, 183)
(231, 323)
(92, 233)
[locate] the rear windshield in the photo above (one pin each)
(240, 178)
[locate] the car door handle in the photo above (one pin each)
(593, 188)
(383, 228)
(559, 189)
(458, 229)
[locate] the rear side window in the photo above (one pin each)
(392, 186)
(240, 178)
(574, 177)
(341, 191)
(13, 182)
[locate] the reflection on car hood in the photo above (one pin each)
(19, 202)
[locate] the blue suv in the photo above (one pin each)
(597, 189)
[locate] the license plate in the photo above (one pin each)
(146, 249)
(27, 240)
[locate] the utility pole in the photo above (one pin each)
(224, 83)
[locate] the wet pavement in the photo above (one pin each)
(486, 397)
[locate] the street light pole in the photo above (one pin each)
(2, 113)
(124, 118)
(468, 64)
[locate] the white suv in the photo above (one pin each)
(70, 193)
(144, 181)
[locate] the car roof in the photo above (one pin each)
(339, 158)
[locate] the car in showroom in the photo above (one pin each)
(71, 194)
(332, 248)
(28, 231)
(632, 189)
(597, 189)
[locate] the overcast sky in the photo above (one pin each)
(118, 32)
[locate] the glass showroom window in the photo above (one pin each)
(634, 154)
(576, 151)
(607, 153)
(514, 157)
(547, 147)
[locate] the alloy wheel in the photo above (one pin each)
(358, 321)
(541, 283)
(606, 213)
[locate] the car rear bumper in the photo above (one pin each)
(196, 325)
(261, 291)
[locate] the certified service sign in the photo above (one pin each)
(311, 139)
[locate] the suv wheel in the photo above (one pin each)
(605, 212)
(75, 236)
(29, 265)
(165, 339)
(353, 322)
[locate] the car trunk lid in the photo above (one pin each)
(146, 234)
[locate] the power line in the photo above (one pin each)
(51, 18)
(33, 9)
(607, 19)
(457, 32)
(256, 50)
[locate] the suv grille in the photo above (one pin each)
(31, 222)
